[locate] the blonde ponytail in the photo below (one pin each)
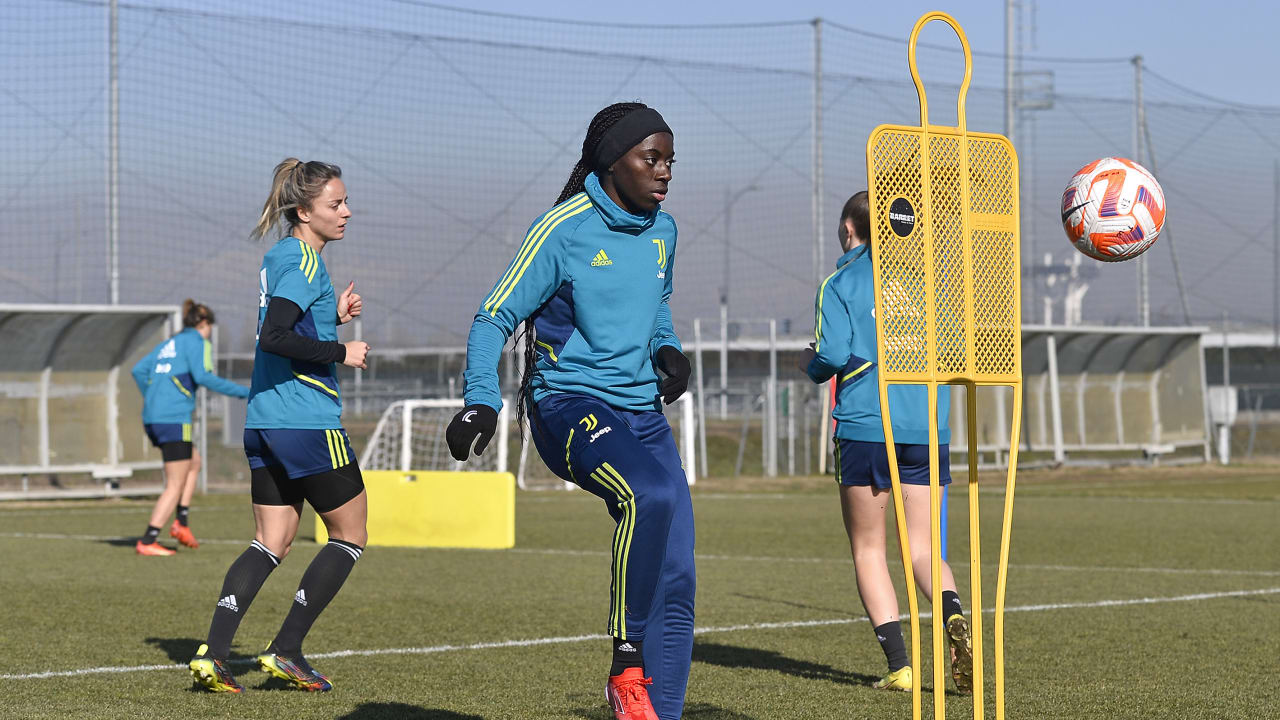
(294, 185)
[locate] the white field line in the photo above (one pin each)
(568, 639)
(140, 511)
(703, 556)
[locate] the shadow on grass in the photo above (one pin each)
(181, 650)
(732, 656)
(401, 711)
(128, 542)
(790, 603)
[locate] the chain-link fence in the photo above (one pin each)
(149, 149)
(456, 128)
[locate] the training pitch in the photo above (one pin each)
(1132, 594)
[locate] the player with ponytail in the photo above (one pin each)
(591, 284)
(168, 377)
(293, 437)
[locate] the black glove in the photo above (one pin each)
(673, 362)
(806, 358)
(474, 424)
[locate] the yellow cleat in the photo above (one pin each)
(961, 652)
(899, 679)
(212, 673)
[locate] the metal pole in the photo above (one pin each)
(204, 415)
(1008, 69)
(773, 398)
(1275, 254)
(113, 153)
(1055, 399)
(724, 361)
(1144, 290)
(359, 328)
(702, 397)
(791, 427)
(818, 261)
(1224, 432)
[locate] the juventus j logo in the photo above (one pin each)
(590, 421)
(662, 257)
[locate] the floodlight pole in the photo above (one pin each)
(1144, 291)
(113, 152)
(1008, 69)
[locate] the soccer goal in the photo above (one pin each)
(410, 436)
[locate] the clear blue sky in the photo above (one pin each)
(1224, 48)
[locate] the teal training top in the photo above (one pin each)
(596, 281)
(290, 393)
(845, 342)
(169, 374)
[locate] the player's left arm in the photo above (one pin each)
(664, 347)
(199, 358)
(833, 335)
(663, 332)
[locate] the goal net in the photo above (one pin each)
(410, 436)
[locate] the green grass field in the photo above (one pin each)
(1132, 594)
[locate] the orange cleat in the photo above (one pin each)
(183, 535)
(154, 548)
(627, 695)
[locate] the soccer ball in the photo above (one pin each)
(1113, 209)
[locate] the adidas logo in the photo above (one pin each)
(301, 597)
(626, 647)
(601, 260)
(229, 602)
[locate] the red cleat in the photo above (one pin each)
(627, 695)
(154, 549)
(183, 535)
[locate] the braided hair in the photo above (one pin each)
(576, 183)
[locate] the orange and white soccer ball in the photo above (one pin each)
(1113, 209)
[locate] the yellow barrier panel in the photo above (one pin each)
(947, 268)
(439, 509)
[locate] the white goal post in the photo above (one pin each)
(410, 435)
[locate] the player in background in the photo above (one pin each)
(592, 280)
(845, 343)
(168, 377)
(293, 438)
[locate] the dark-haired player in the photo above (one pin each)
(593, 278)
(168, 377)
(844, 338)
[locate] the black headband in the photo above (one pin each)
(625, 134)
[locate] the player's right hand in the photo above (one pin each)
(356, 352)
(472, 427)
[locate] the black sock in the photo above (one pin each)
(895, 649)
(243, 580)
(626, 654)
(183, 511)
(153, 532)
(320, 583)
(951, 604)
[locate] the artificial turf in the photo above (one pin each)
(1101, 623)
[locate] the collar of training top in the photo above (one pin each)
(625, 134)
(852, 255)
(613, 215)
